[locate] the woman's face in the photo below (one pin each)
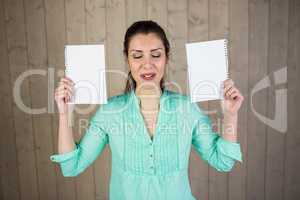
(147, 59)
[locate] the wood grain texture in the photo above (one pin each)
(157, 11)
(37, 60)
(18, 63)
(218, 27)
(177, 32)
(135, 11)
(292, 142)
(76, 34)
(264, 36)
(258, 60)
(8, 152)
(198, 31)
(277, 60)
(56, 39)
(95, 12)
(115, 30)
(239, 71)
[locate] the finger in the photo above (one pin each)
(228, 82)
(64, 97)
(62, 88)
(227, 89)
(230, 91)
(61, 96)
(237, 96)
(66, 81)
(65, 78)
(233, 95)
(66, 86)
(64, 93)
(228, 86)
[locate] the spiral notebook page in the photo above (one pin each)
(85, 66)
(207, 69)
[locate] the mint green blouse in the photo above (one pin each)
(145, 168)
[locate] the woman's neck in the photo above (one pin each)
(149, 98)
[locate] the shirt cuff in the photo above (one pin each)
(64, 157)
(230, 149)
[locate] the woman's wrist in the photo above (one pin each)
(230, 116)
(230, 127)
(63, 117)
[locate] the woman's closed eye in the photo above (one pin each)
(137, 55)
(156, 55)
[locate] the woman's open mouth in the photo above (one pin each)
(148, 76)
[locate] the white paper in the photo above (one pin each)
(91, 55)
(207, 69)
(86, 73)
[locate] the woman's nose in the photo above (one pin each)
(147, 61)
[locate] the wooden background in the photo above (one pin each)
(264, 36)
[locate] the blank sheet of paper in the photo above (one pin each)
(91, 56)
(85, 66)
(207, 69)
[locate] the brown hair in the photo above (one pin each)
(144, 27)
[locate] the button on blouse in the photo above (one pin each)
(145, 168)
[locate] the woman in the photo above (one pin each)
(150, 130)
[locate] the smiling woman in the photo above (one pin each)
(150, 130)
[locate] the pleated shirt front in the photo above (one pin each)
(145, 168)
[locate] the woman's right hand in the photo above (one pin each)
(63, 94)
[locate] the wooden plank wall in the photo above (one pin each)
(264, 36)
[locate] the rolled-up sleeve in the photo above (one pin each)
(86, 150)
(218, 152)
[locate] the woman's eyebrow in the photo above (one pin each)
(156, 49)
(142, 51)
(136, 50)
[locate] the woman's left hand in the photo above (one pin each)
(232, 98)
